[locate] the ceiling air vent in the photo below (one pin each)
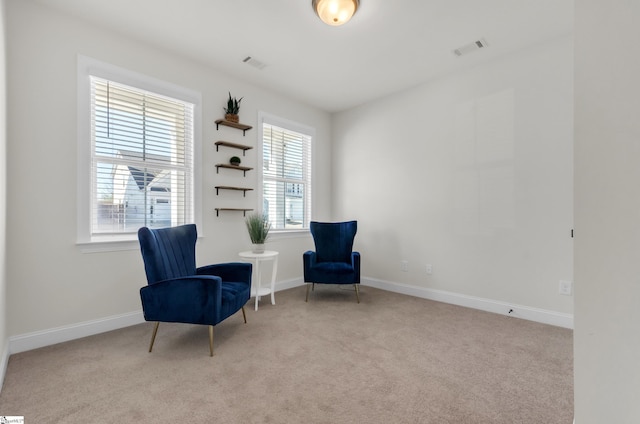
(471, 47)
(254, 62)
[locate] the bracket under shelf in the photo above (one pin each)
(244, 128)
(233, 146)
(244, 169)
(243, 210)
(243, 189)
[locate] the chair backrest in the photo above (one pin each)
(333, 240)
(168, 252)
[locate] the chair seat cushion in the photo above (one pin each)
(332, 273)
(234, 297)
(333, 267)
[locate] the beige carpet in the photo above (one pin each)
(389, 359)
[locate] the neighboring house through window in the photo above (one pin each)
(137, 154)
(286, 173)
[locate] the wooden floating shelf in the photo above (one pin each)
(233, 145)
(244, 211)
(243, 189)
(237, 125)
(229, 166)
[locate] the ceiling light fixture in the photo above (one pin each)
(335, 12)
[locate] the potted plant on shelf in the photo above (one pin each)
(258, 226)
(235, 160)
(232, 109)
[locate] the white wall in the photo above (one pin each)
(4, 345)
(50, 282)
(472, 174)
(607, 211)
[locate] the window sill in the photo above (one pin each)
(285, 234)
(108, 245)
(112, 244)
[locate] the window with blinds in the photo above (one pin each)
(141, 159)
(286, 177)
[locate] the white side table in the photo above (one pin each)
(257, 290)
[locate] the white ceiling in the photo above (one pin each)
(387, 46)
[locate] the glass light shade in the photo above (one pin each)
(335, 12)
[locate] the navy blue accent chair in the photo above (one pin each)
(334, 261)
(177, 291)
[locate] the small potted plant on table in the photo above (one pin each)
(258, 227)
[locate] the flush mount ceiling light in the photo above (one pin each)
(335, 12)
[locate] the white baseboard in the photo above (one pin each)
(289, 284)
(4, 363)
(53, 336)
(38, 339)
(518, 311)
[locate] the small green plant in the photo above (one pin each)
(235, 160)
(258, 227)
(233, 105)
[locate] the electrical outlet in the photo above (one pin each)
(565, 287)
(404, 266)
(429, 269)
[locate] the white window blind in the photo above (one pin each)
(141, 159)
(286, 175)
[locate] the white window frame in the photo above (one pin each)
(88, 67)
(270, 119)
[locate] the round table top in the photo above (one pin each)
(264, 255)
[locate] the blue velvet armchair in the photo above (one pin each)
(177, 291)
(334, 261)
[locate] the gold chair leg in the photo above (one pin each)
(153, 336)
(244, 315)
(307, 299)
(357, 293)
(211, 340)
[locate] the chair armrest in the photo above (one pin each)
(229, 272)
(309, 260)
(310, 256)
(195, 300)
(355, 262)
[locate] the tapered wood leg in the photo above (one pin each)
(307, 299)
(357, 292)
(244, 314)
(153, 336)
(211, 340)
